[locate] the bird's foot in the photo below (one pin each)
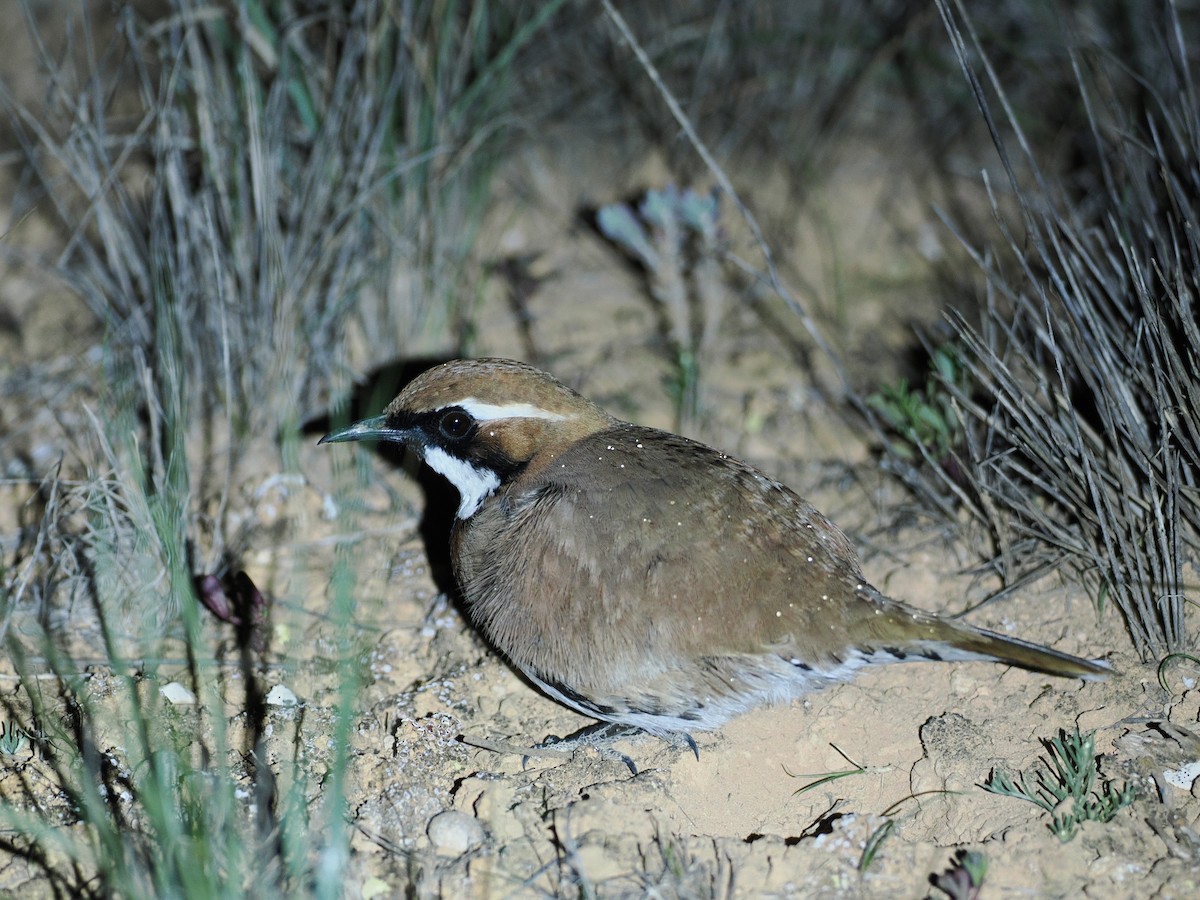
(600, 735)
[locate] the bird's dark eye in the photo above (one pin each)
(455, 424)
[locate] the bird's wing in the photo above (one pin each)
(684, 550)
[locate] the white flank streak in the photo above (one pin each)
(488, 412)
(473, 484)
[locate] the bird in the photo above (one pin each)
(645, 579)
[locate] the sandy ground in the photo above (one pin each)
(744, 820)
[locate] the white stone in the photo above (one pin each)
(453, 833)
(281, 696)
(1184, 775)
(176, 694)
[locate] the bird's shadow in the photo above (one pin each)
(441, 498)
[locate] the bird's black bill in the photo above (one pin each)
(373, 429)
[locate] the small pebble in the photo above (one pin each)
(453, 833)
(375, 887)
(281, 696)
(1185, 776)
(175, 693)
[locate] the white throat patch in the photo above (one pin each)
(474, 485)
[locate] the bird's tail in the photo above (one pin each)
(982, 644)
(932, 637)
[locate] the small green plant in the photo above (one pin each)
(12, 739)
(826, 777)
(924, 419)
(964, 879)
(874, 842)
(675, 236)
(1065, 785)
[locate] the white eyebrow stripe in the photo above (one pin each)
(488, 412)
